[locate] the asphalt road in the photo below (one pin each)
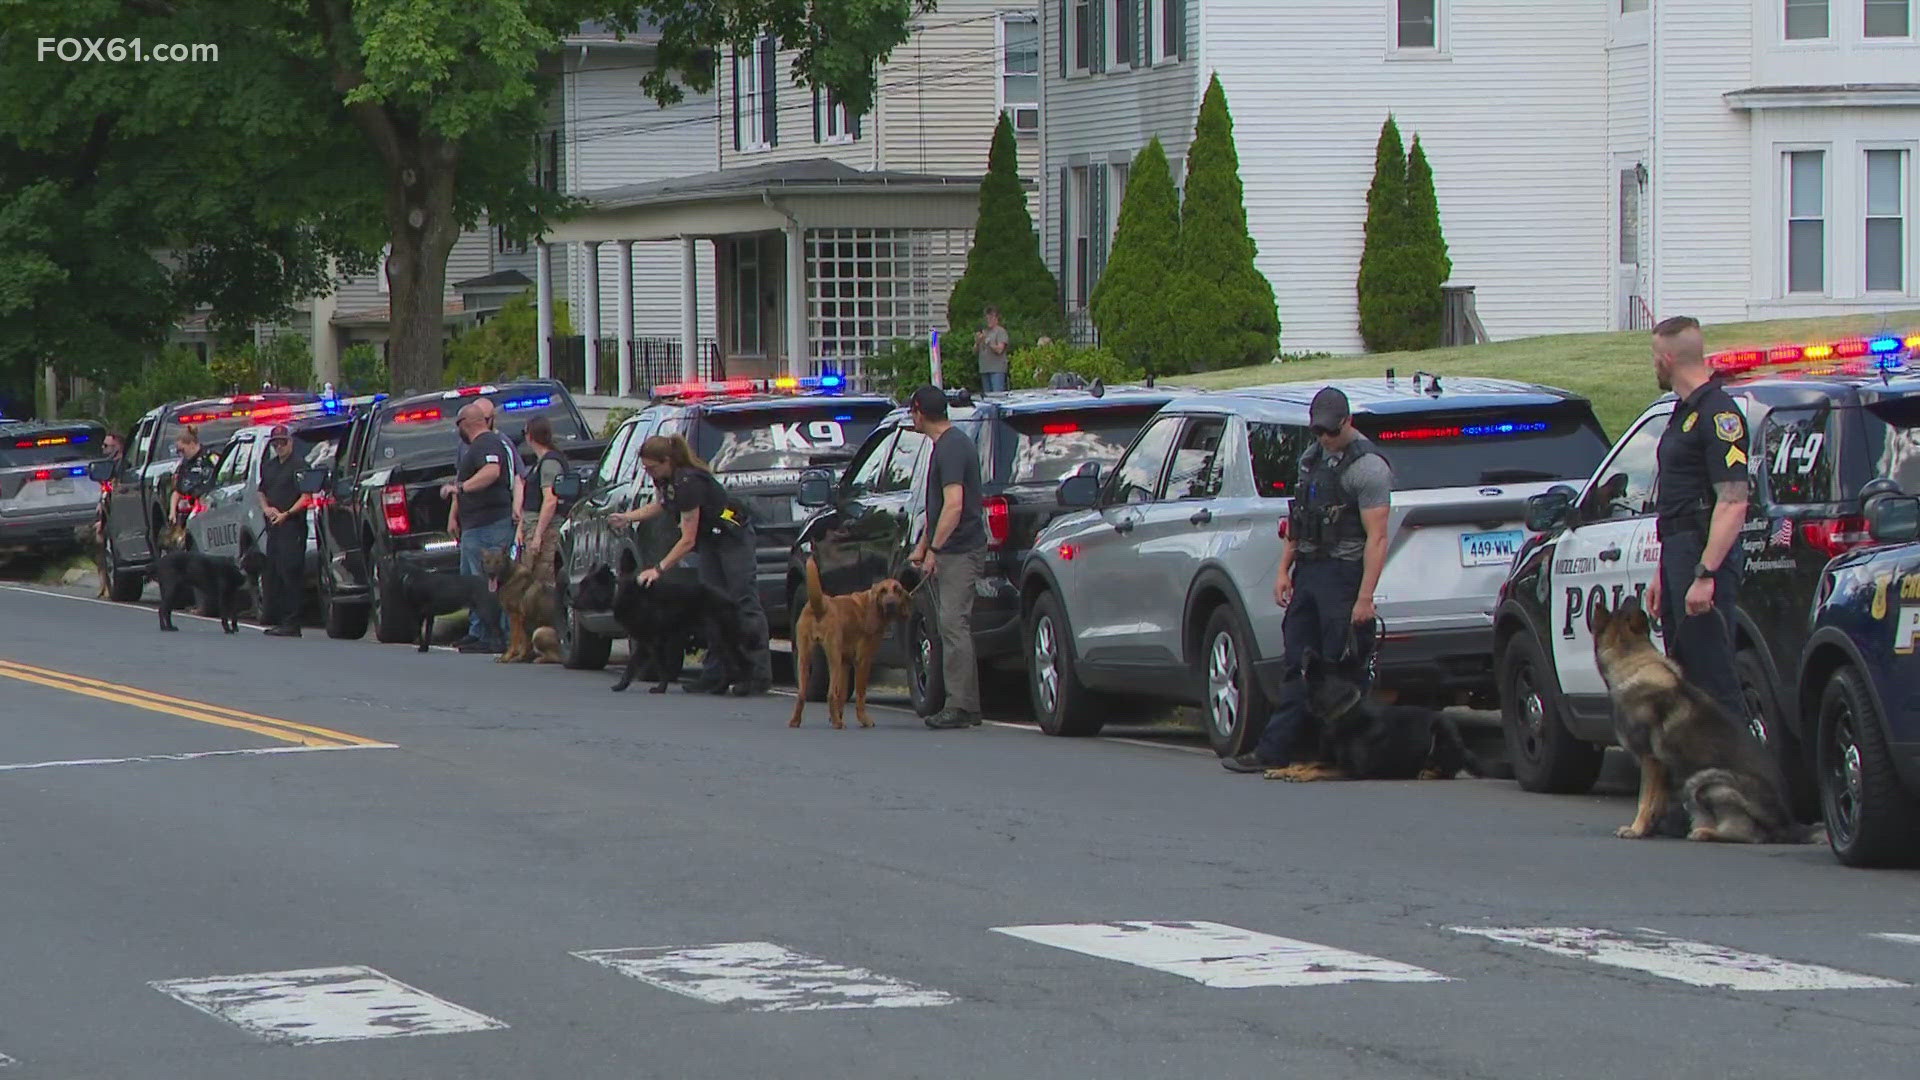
(318, 859)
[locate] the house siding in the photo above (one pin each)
(1704, 260)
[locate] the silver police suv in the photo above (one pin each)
(1161, 586)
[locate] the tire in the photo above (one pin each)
(1232, 704)
(1763, 718)
(1061, 706)
(1545, 755)
(391, 625)
(580, 649)
(345, 622)
(1871, 819)
(926, 686)
(123, 585)
(817, 665)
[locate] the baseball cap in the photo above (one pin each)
(1329, 409)
(280, 431)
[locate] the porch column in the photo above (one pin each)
(689, 309)
(590, 316)
(626, 317)
(799, 351)
(543, 295)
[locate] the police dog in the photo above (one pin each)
(1362, 740)
(1686, 743)
(429, 594)
(660, 620)
(848, 628)
(95, 550)
(183, 574)
(531, 605)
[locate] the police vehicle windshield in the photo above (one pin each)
(1470, 447)
(1052, 445)
(44, 446)
(426, 429)
(784, 436)
(1894, 446)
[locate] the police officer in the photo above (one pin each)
(1335, 549)
(194, 476)
(286, 509)
(1701, 506)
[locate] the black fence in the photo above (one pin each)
(656, 360)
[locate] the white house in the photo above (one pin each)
(1598, 162)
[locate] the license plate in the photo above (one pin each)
(62, 485)
(1490, 548)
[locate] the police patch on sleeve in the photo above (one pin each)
(1728, 426)
(1687, 424)
(1735, 456)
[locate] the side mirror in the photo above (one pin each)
(311, 481)
(1893, 519)
(100, 470)
(1551, 508)
(1080, 490)
(568, 485)
(816, 489)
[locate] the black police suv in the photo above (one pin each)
(870, 521)
(1823, 421)
(137, 507)
(383, 499)
(758, 435)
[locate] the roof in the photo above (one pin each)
(28, 427)
(1785, 387)
(1824, 94)
(382, 315)
(787, 177)
(1396, 396)
(499, 279)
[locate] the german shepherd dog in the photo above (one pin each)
(430, 594)
(849, 629)
(531, 606)
(1362, 740)
(1685, 742)
(183, 574)
(95, 550)
(660, 620)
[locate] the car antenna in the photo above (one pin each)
(1390, 378)
(1433, 381)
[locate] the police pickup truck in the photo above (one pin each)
(1824, 420)
(382, 498)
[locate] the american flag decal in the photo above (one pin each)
(1782, 535)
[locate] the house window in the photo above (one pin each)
(1020, 71)
(831, 123)
(1082, 34)
(507, 245)
(1419, 24)
(546, 161)
(755, 115)
(1629, 217)
(872, 286)
(1806, 20)
(1080, 216)
(1806, 221)
(1888, 18)
(746, 297)
(1124, 20)
(1170, 24)
(1886, 220)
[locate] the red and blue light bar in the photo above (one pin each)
(1500, 429)
(57, 474)
(785, 384)
(48, 440)
(527, 403)
(1880, 352)
(417, 416)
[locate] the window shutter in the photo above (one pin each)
(1066, 234)
(769, 99)
(1179, 9)
(816, 114)
(1096, 224)
(1062, 32)
(853, 124)
(1143, 34)
(736, 101)
(1097, 32)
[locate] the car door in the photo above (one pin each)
(1109, 623)
(216, 529)
(126, 505)
(847, 546)
(588, 531)
(1610, 551)
(1173, 540)
(337, 536)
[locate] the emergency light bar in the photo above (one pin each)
(1881, 352)
(48, 440)
(1504, 428)
(51, 474)
(785, 384)
(417, 416)
(268, 413)
(471, 391)
(527, 403)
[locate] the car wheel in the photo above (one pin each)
(580, 649)
(1545, 755)
(1233, 705)
(392, 625)
(1871, 819)
(926, 686)
(817, 673)
(122, 585)
(1060, 704)
(347, 622)
(1763, 719)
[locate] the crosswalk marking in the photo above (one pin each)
(1215, 954)
(1693, 962)
(765, 977)
(324, 1005)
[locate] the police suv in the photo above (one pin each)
(1823, 420)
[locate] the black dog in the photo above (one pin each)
(430, 594)
(183, 574)
(660, 620)
(1361, 740)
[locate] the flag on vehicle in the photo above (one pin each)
(1782, 535)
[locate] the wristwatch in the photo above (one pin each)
(1700, 571)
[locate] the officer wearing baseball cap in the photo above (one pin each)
(286, 507)
(1335, 548)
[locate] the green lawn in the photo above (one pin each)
(1613, 370)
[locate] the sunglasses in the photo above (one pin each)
(1320, 430)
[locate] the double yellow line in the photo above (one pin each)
(284, 730)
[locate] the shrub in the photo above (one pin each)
(1228, 313)
(615, 417)
(1004, 266)
(175, 375)
(1036, 365)
(1133, 303)
(363, 370)
(1427, 250)
(285, 362)
(505, 346)
(1383, 283)
(905, 364)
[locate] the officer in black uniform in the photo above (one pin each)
(285, 506)
(1336, 547)
(1701, 507)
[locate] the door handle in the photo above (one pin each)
(1611, 554)
(1200, 516)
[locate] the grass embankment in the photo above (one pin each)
(1612, 370)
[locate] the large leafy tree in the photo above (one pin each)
(1004, 266)
(329, 127)
(1134, 305)
(1230, 317)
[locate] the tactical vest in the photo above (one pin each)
(534, 495)
(1324, 513)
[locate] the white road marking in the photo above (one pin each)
(324, 1005)
(6, 1061)
(1904, 939)
(765, 977)
(146, 758)
(139, 605)
(1693, 962)
(1218, 955)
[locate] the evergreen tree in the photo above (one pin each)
(1387, 263)
(1005, 268)
(1428, 248)
(1227, 306)
(1134, 306)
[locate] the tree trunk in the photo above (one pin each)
(420, 218)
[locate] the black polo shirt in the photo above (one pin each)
(1705, 444)
(693, 489)
(493, 503)
(280, 481)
